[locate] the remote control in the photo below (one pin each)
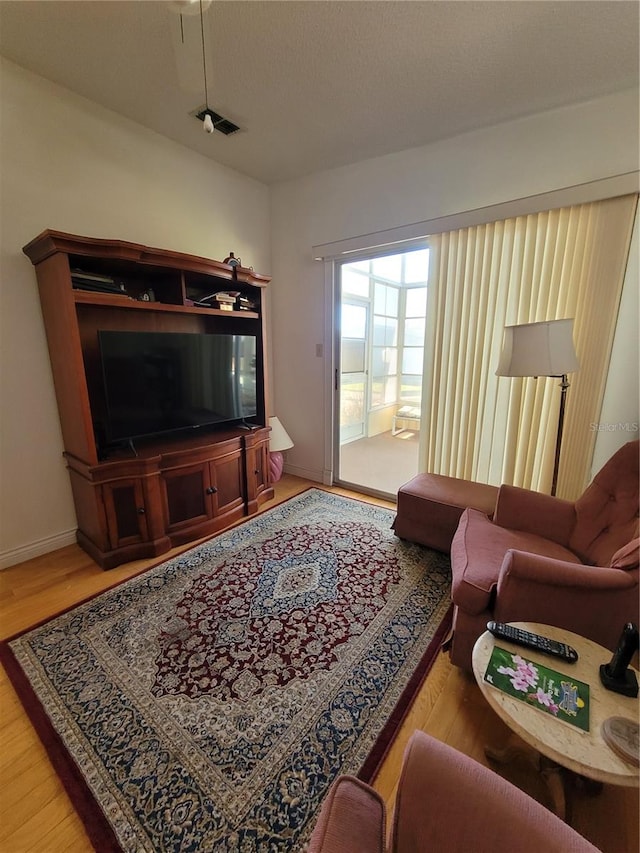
(533, 641)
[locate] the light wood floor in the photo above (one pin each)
(36, 814)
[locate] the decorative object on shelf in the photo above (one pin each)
(244, 303)
(225, 300)
(232, 260)
(541, 349)
(279, 440)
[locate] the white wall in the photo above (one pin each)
(69, 165)
(538, 154)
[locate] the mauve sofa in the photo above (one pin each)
(542, 559)
(446, 803)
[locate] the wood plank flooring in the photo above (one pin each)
(36, 815)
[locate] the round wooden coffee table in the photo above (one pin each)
(565, 746)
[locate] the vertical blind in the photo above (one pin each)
(568, 262)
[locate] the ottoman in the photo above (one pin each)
(430, 506)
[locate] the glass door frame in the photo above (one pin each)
(333, 303)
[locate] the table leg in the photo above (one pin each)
(514, 749)
(553, 775)
(555, 781)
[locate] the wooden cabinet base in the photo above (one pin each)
(111, 559)
(173, 492)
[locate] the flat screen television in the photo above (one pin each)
(159, 382)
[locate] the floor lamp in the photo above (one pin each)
(541, 349)
(278, 441)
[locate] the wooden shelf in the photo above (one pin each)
(90, 297)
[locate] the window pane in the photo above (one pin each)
(385, 300)
(385, 361)
(412, 360)
(379, 331)
(391, 333)
(352, 353)
(362, 266)
(416, 266)
(354, 321)
(385, 332)
(389, 267)
(377, 392)
(354, 283)
(417, 302)
(414, 333)
(411, 390)
(390, 389)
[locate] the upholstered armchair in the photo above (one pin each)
(542, 559)
(445, 801)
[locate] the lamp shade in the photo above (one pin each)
(538, 349)
(278, 438)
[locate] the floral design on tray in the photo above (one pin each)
(548, 690)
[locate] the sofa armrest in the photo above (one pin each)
(352, 820)
(535, 512)
(448, 801)
(592, 601)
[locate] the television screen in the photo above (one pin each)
(156, 382)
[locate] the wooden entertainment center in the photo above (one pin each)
(140, 501)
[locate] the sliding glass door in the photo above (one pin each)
(380, 317)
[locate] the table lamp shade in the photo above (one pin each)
(278, 437)
(538, 349)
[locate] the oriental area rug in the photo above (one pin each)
(208, 703)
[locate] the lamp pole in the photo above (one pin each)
(563, 396)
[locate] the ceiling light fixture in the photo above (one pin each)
(210, 119)
(208, 123)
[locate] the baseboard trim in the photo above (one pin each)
(37, 549)
(316, 476)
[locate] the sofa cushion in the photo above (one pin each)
(477, 552)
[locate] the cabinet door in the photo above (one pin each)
(262, 466)
(126, 512)
(228, 481)
(258, 481)
(187, 496)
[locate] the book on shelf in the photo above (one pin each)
(80, 275)
(554, 693)
(93, 281)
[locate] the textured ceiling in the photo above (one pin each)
(315, 85)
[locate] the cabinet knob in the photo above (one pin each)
(141, 510)
(256, 472)
(211, 490)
